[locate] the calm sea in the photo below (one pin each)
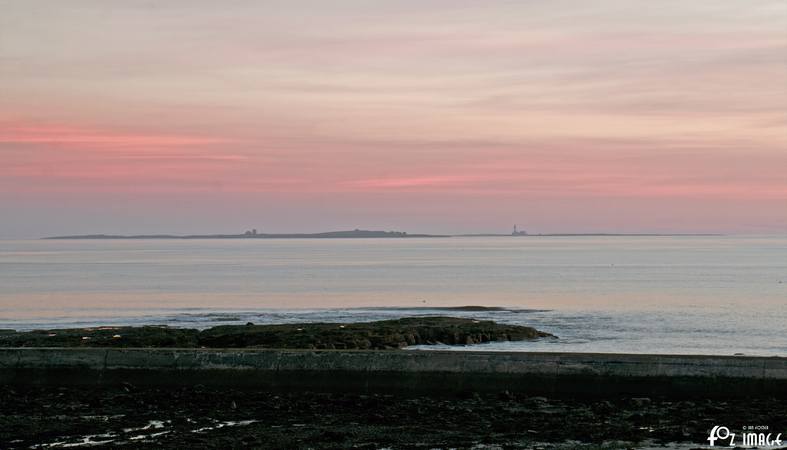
(708, 295)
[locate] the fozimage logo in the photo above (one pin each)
(752, 435)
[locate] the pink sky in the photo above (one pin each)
(424, 116)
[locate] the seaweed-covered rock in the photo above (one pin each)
(386, 334)
(381, 335)
(148, 336)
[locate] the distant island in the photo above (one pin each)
(588, 234)
(253, 234)
(519, 232)
(351, 234)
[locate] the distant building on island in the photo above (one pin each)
(518, 233)
(252, 232)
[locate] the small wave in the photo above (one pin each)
(205, 318)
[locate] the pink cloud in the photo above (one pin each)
(82, 159)
(414, 182)
(63, 134)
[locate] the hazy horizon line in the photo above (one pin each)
(306, 234)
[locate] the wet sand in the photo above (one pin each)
(200, 417)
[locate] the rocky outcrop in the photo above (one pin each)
(381, 335)
(387, 334)
(149, 336)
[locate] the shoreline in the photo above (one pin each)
(132, 416)
(230, 398)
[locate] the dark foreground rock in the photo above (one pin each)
(199, 417)
(381, 335)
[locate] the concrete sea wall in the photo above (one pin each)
(417, 371)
